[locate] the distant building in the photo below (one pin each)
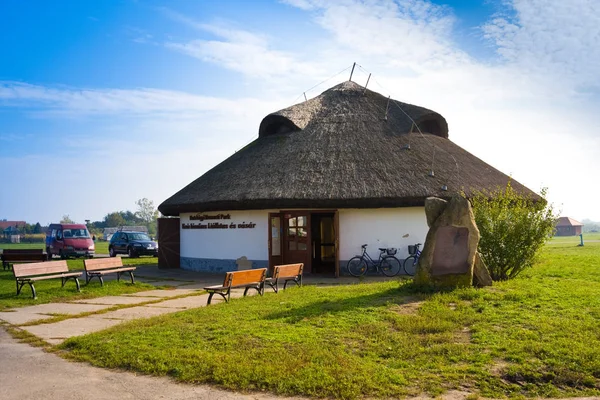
(14, 224)
(108, 232)
(566, 226)
(11, 230)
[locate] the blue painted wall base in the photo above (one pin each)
(214, 265)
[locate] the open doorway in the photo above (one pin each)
(323, 237)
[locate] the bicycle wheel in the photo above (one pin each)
(410, 265)
(357, 266)
(390, 266)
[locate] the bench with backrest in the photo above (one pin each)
(98, 267)
(10, 256)
(285, 273)
(248, 279)
(30, 273)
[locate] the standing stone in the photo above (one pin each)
(450, 252)
(481, 275)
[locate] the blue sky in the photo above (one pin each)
(103, 103)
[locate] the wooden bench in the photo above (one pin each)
(286, 273)
(30, 273)
(248, 279)
(10, 256)
(98, 267)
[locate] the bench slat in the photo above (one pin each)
(41, 278)
(288, 270)
(23, 257)
(247, 276)
(95, 264)
(110, 271)
(33, 269)
(23, 251)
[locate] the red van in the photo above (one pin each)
(69, 240)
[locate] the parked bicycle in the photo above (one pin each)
(387, 263)
(410, 264)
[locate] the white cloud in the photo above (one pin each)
(556, 37)
(140, 101)
(236, 49)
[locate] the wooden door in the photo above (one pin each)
(169, 242)
(275, 242)
(296, 239)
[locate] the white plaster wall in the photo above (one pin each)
(384, 227)
(227, 244)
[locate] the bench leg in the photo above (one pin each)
(89, 278)
(64, 280)
(274, 286)
(131, 276)
(210, 296)
(20, 285)
(257, 288)
(296, 280)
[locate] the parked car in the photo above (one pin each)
(69, 240)
(134, 244)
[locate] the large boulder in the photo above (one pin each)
(450, 255)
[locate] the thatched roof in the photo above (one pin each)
(338, 150)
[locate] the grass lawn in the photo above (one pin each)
(101, 246)
(538, 335)
(50, 290)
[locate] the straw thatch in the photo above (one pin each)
(339, 150)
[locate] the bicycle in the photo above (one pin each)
(410, 264)
(387, 263)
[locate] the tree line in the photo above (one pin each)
(145, 215)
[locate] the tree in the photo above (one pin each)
(114, 219)
(37, 228)
(147, 214)
(513, 229)
(66, 220)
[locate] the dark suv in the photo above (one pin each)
(132, 243)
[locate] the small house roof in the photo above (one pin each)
(349, 147)
(6, 224)
(566, 221)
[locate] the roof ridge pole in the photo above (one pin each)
(352, 72)
(364, 91)
(387, 107)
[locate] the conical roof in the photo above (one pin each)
(346, 148)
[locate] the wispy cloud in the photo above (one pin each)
(236, 49)
(142, 101)
(550, 37)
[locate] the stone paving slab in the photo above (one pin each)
(164, 293)
(128, 314)
(58, 332)
(118, 300)
(42, 311)
(184, 303)
(165, 283)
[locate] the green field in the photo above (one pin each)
(101, 246)
(537, 335)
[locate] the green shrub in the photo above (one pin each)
(513, 228)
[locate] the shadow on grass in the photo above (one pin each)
(405, 294)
